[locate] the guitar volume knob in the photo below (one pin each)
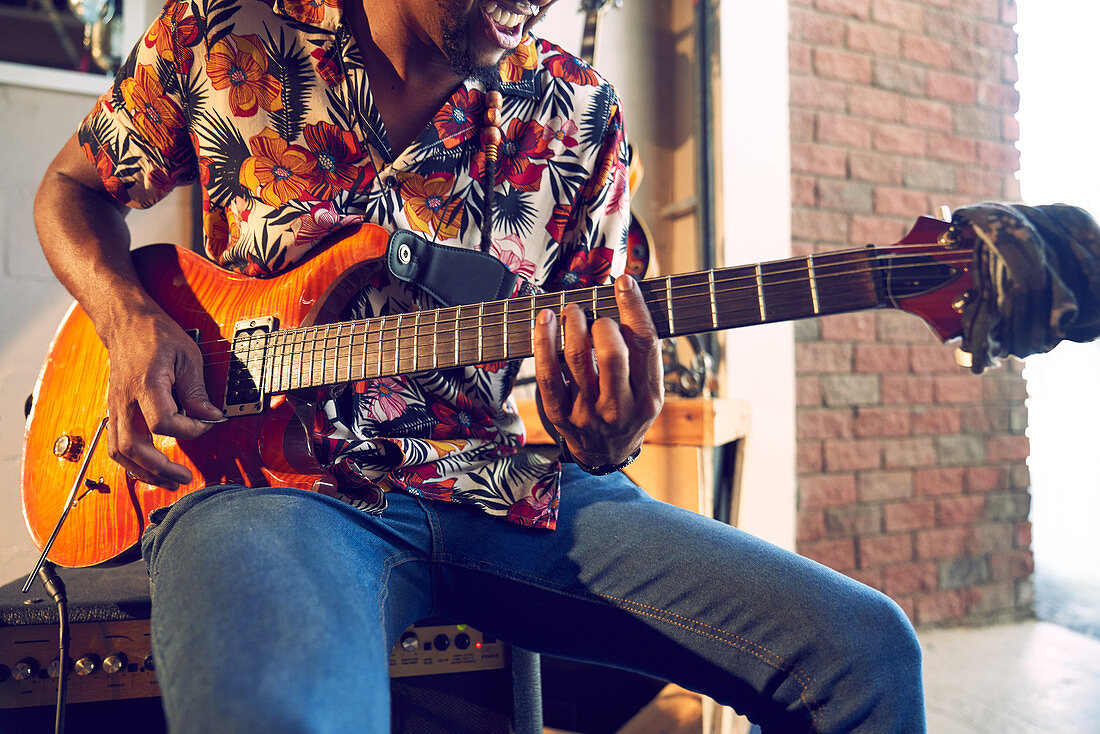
(68, 447)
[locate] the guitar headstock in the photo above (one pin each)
(598, 6)
(928, 273)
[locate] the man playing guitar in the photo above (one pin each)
(274, 608)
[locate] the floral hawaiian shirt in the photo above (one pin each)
(270, 109)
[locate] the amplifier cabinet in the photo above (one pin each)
(446, 678)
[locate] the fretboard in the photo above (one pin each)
(497, 331)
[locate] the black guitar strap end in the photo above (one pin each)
(451, 275)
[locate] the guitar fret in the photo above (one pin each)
(291, 356)
(435, 341)
(668, 298)
(303, 366)
(351, 348)
(458, 313)
(813, 285)
(272, 353)
(316, 359)
(324, 354)
(356, 357)
(416, 342)
(300, 345)
(397, 346)
(288, 358)
(371, 323)
(561, 323)
(505, 329)
(713, 300)
(480, 327)
(382, 341)
(760, 293)
(367, 347)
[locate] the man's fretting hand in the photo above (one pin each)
(154, 364)
(611, 387)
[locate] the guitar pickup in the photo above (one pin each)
(245, 391)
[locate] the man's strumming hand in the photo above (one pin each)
(156, 387)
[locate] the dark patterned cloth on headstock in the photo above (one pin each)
(1037, 273)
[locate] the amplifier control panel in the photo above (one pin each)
(110, 661)
(114, 660)
(431, 649)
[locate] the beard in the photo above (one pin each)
(456, 50)
(456, 44)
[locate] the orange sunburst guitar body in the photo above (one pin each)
(112, 508)
(269, 345)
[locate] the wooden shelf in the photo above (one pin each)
(695, 422)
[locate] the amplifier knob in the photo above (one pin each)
(462, 640)
(54, 668)
(86, 665)
(25, 669)
(410, 642)
(149, 663)
(442, 642)
(114, 663)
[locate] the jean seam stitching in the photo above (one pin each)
(388, 565)
(435, 550)
(803, 679)
(701, 628)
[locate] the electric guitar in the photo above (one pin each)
(271, 345)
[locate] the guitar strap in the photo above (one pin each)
(451, 275)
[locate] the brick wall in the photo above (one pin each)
(912, 474)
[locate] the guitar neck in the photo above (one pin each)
(498, 331)
(588, 40)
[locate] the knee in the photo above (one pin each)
(879, 644)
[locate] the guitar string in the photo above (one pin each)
(522, 315)
(452, 315)
(822, 270)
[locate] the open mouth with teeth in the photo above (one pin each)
(505, 22)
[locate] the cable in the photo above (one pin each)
(55, 587)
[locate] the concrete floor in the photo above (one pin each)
(1027, 678)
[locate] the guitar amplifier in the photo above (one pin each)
(447, 678)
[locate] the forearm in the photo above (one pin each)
(84, 236)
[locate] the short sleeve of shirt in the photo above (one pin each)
(136, 136)
(594, 225)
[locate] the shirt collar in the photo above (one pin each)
(325, 15)
(517, 71)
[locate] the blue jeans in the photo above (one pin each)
(274, 610)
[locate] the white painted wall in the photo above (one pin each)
(757, 209)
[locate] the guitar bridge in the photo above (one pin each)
(245, 392)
